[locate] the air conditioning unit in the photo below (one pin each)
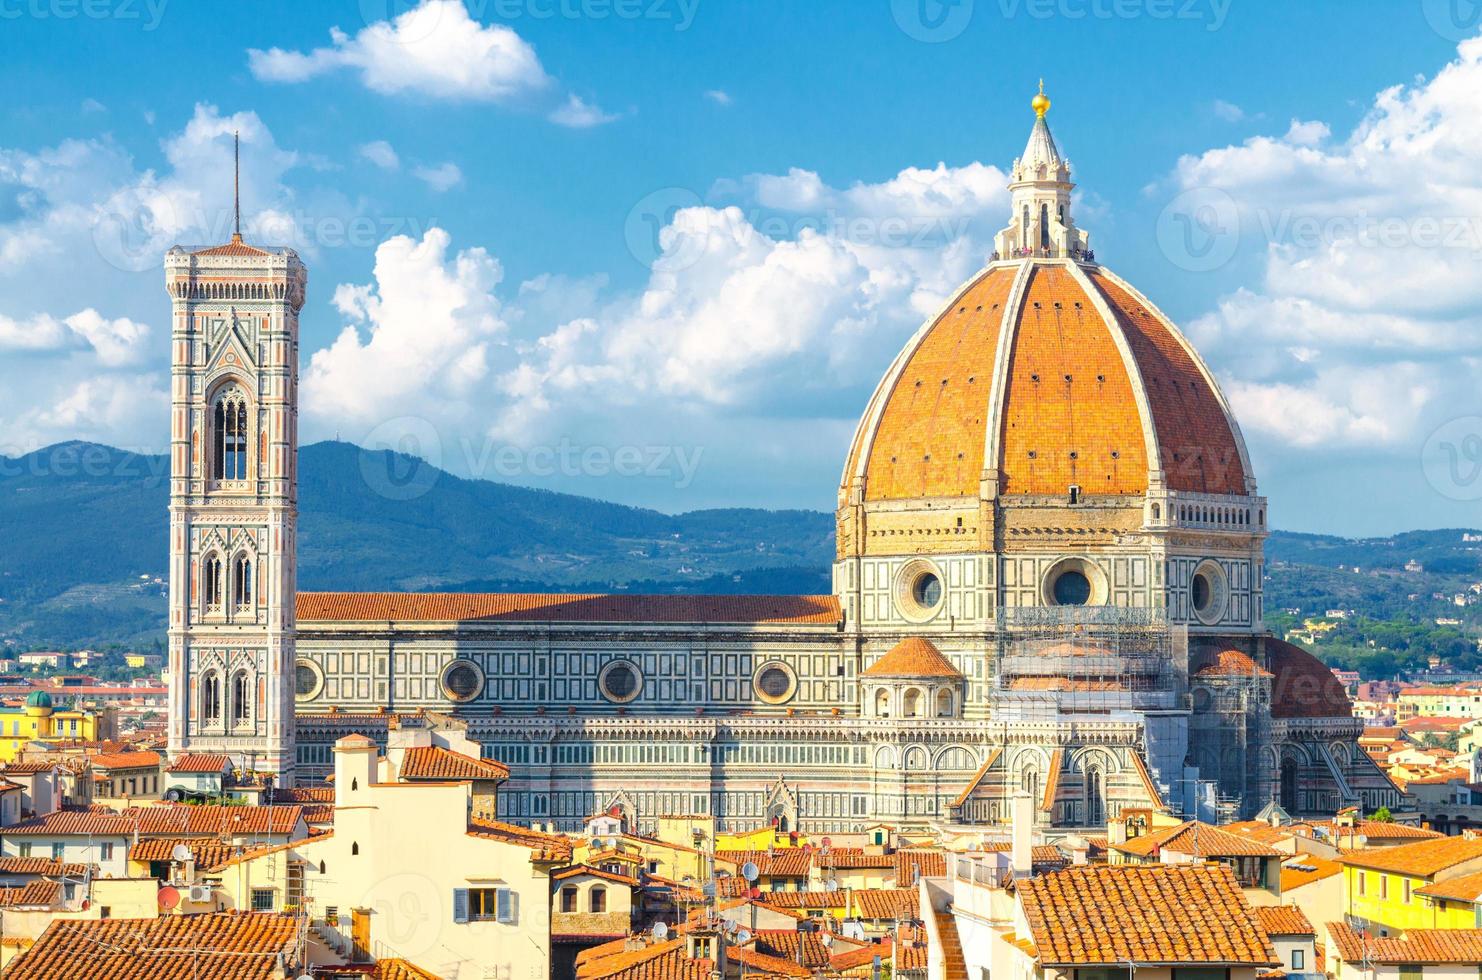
(200, 893)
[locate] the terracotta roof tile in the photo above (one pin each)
(1423, 858)
(1150, 914)
(1467, 888)
(39, 866)
(888, 903)
(913, 657)
(436, 762)
(929, 441)
(203, 762)
(930, 864)
(126, 760)
(39, 892)
(1198, 840)
(165, 820)
(1284, 920)
(543, 847)
(234, 248)
(1229, 662)
(224, 945)
(822, 610)
(206, 853)
(1196, 441)
(396, 969)
(1303, 687)
(1462, 946)
(1304, 869)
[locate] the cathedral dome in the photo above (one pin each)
(1045, 372)
(1042, 374)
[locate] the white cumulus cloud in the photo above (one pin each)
(435, 50)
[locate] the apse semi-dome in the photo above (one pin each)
(1048, 438)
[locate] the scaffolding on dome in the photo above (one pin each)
(1055, 661)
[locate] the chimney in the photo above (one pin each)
(354, 769)
(1477, 765)
(1022, 810)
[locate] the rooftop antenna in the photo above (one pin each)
(237, 186)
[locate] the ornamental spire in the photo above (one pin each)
(237, 186)
(1039, 188)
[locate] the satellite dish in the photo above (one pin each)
(827, 939)
(168, 898)
(750, 871)
(743, 937)
(828, 842)
(181, 854)
(661, 931)
(831, 886)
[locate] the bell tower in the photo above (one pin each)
(233, 500)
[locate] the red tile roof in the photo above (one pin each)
(822, 610)
(1421, 859)
(126, 760)
(543, 847)
(888, 903)
(1197, 840)
(206, 853)
(1149, 914)
(165, 820)
(789, 862)
(394, 969)
(913, 657)
(436, 762)
(1303, 687)
(235, 248)
(39, 892)
(1229, 662)
(224, 945)
(1467, 888)
(1304, 869)
(202, 762)
(39, 866)
(930, 864)
(1462, 946)
(1284, 920)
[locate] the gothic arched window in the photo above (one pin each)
(211, 697)
(242, 582)
(211, 581)
(241, 699)
(229, 436)
(1029, 782)
(1095, 800)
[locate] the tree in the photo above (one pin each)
(1382, 815)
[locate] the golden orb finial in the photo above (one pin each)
(1041, 102)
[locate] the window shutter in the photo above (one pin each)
(460, 905)
(507, 908)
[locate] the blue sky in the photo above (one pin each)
(549, 238)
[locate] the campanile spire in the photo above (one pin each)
(236, 186)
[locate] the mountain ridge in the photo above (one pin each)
(86, 552)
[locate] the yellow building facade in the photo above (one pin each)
(1394, 888)
(39, 721)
